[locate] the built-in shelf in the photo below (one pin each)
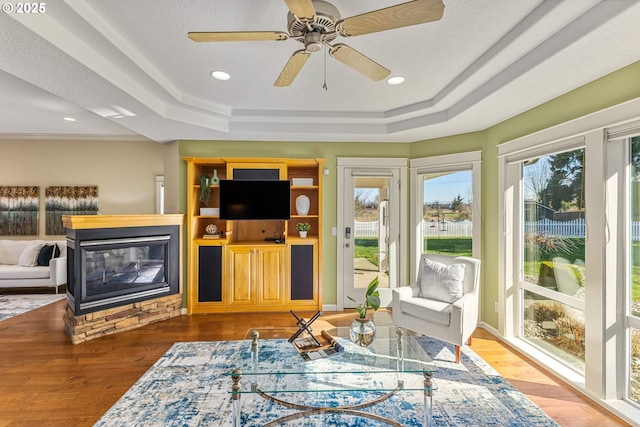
(249, 273)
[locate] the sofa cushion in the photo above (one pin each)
(29, 255)
(10, 250)
(16, 272)
(430, 310)
(442, 282)
(47, 252)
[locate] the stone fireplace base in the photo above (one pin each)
(119, 319)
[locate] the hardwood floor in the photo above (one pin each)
(47, 381)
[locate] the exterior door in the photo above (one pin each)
(369, 224)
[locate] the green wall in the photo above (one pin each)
(613, 89)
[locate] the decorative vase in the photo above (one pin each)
(303, 234)
(302, 205)
(362, 331)
(214, 179)
(205, 190)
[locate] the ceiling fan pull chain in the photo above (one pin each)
(324, 86)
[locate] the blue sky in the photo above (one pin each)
(447, 187)
(444, 188)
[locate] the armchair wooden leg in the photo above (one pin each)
(469, 341)
(457, 354)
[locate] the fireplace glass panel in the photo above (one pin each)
(124, 266)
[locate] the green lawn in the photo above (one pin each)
(367, 248)
(459, 246)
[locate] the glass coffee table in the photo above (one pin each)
(269, 366)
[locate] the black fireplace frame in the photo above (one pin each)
(77, 239)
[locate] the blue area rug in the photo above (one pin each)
(189, 384)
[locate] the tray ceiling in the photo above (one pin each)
(126, 69)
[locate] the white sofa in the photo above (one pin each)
(19, 267)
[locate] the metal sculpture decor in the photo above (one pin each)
(19, 210)
(59, 201)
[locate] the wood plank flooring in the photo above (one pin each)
(47, 381)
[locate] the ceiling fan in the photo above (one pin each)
(316, 24)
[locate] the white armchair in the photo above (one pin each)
(444, 303)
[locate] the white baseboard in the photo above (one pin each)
(330, 307)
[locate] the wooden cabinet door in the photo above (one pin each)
(270, 274)
(241, 275)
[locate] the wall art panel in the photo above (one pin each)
(19, 210)
(59, 201)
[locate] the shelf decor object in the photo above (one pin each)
(205, 190)
(209, 211)
(302, 204)
(303, 228)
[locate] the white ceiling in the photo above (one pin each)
(483, 62)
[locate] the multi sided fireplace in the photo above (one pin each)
(111, 267)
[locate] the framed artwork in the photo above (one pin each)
(19, 210)
(59, 201)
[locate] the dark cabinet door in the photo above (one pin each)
(209, 273)
(302, 272)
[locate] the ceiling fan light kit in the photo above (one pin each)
(317, 24)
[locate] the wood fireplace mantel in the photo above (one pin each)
(78, 222)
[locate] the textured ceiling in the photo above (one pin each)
(126, 69)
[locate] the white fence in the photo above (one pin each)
(429, 229)
(573, 228)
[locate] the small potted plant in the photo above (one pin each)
(362, 330)
(302, 228)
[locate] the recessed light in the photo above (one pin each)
(220, 75)
(395, 80)
(70, 119)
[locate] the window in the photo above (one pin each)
(552, 266)
(447, 215)
(570, 252)
(446, 205)
(633, 283)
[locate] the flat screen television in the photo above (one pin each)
(261, 200)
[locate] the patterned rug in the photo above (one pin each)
(14, 304)
(189, 386)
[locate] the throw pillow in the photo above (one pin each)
(47, 253)
(10, 250)
(442, 282)
(29, 255)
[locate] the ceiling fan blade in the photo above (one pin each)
(303, 9)
(362, 64)
(238, 36)
(293, 67)
(401, 15)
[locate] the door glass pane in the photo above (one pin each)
(371, 223)
(634, 288)
(553, 254)
(447, 208)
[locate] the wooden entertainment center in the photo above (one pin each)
(253, 265)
